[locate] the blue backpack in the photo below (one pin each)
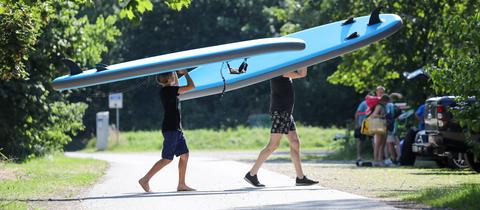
(390, 117)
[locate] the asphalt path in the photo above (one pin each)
(219, 183)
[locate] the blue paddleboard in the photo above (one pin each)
(173, 61)
(323, 43)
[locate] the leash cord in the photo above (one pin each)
(224, 82)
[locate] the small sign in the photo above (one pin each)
(115, 100)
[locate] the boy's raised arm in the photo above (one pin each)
(190, 84)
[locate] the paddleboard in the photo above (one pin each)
(322, 43)
(170, 62)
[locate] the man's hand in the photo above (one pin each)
(182, 72)
(297, 73)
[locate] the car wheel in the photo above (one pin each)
(473, 161)
(457, 160)
(408, 157)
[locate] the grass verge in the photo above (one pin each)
(240, 138)
(44, 178)
(437, 187)
(460, 196)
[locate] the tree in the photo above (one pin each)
(384, 62)
(134, 8)
(439, 35)
(456, 71)
(34, 37)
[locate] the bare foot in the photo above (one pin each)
(185, 188)
(144, 184)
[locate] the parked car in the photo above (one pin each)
(443, 138)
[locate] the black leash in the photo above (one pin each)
(224, 82)
(242, 69)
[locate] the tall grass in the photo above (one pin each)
(240, 138)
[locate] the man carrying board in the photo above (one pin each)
(174, 142)
(282, 99)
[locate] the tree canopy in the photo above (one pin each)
(439, 36)
(34, 37)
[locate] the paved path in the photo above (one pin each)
(219, 183)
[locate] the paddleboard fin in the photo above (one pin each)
(375, 16)
(72, 66)
(350, 20)
(101, 67)
(352, 36)
(242, 69)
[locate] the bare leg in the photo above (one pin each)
(266, 152)
(376, 142)
(379, 148)
(373, 146)
(359, 149)
(155, 168)
(397, 148)
(383, 150)
(295, 152)
(386, 151)
(391, 150)
(182, 170)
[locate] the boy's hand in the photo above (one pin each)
(182, 72)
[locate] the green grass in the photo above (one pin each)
(443, 188)
(462, 196)
(43, 178)
(240, 138)
(437, 187)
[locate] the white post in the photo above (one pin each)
(115, 101)
(118, 125)
(102, 131)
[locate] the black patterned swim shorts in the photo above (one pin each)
(282, 122)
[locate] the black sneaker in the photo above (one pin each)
(253, 180)
(305, 181)
(359, 162)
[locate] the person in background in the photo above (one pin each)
(393, 142)
(380, 111)
(380, 91)
(360, 115)
(419, 114)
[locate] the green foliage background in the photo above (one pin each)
(34, 37)
(207, 23)
(457, 70)
(438, 35)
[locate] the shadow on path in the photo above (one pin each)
(321, 204)
(170, 194)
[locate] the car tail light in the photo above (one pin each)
(439, 112)
(441, 116)
(439, 109)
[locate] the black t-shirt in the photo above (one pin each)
(171, 107)
(282, 96)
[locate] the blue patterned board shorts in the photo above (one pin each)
(173, 144)
(282, 122)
